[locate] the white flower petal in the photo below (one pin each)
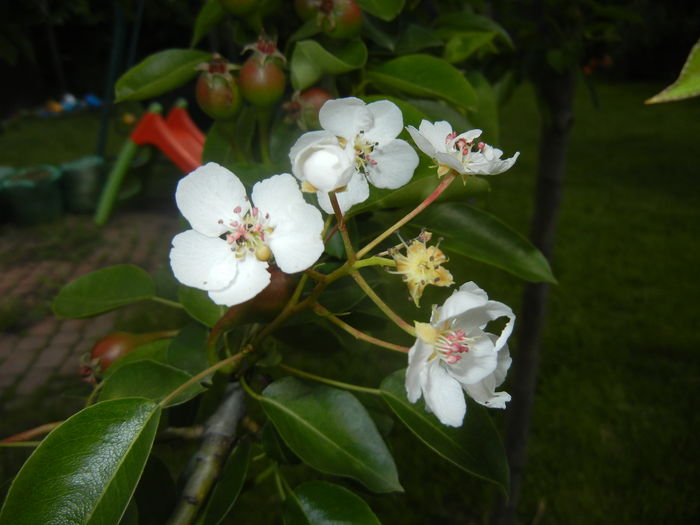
(451, 160)
(309, 139)
(480, 361)
(356, 191)
(503, 365)
(275, 194)
(345, 117)
(251, 279)
(396, 162)
(436, 133)
(207, 197)
(484, 393)
(388, 122)
(468, 297)
(490, 163)
(423, 144)
(444, 396)
(496, 310)
(417, 359)
(318, 158)
(296, 243)
(202, 262)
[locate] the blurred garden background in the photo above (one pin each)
(616, 410)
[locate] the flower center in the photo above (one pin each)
(363, 152)
(249, 235)
(463, 149)
(451, 345)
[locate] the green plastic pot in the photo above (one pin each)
(33, 194)
(81, 184)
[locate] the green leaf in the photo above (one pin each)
(148, 379)
(486, 117)
(330, 431)
(275, 448)
(688, 83)
(425, 76)
(103, 290)
(421, 186)
(310, 60)
(86, 470)
(474, 447)
(154, 351)
(211, 14)
(199, 306)
(473, 22)
(416, 38)
(384, 9)
(323, 503)
(159, 73)
(228, 486)
(188, 351)
(461, 45)
(478, 235)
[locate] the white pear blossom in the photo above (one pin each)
(453, 354)
(459, 152)
(357, 144)
(226, 251)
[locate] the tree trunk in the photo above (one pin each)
(555, 93)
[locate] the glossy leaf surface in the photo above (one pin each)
(199, 306)
(159, 73)
(103, 290)
(209, 15)
(474, 447)
(480, 236)
(384, 9)
(331, 431)
(323, 503)
(688, 83)
(86, 470)
(425, 76)
(148, 379)
(310, 60)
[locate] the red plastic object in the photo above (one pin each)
(177, 137)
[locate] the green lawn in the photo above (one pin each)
(616, 407)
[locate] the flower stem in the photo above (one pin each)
(168, 302)
(19, 444)
(423, 205)
(382, 305)
(31, 433)
(234, 360)
(374, 261)
(340, 220)
(320, 310)
(332, 382)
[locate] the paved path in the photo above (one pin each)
(39, 354)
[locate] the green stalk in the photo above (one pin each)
(357, 334)
(327, 381)
(423, 205)
(382, 305)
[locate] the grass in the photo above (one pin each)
(616, 406)
(614, 416)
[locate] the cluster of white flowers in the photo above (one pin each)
(233, 239)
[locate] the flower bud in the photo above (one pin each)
(323, 163)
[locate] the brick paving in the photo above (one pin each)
(39, 353)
